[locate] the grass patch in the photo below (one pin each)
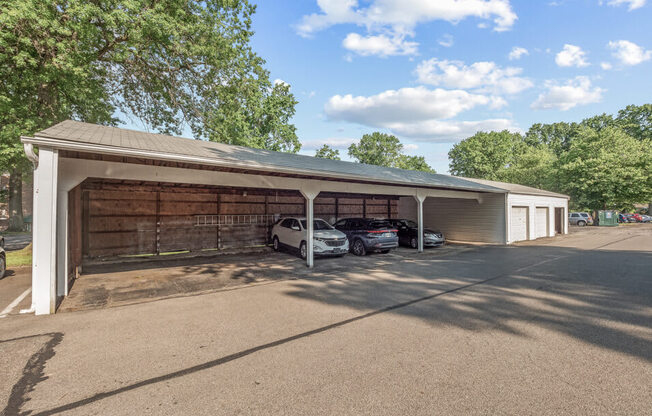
(20, 257)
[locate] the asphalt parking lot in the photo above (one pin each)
(556, 326)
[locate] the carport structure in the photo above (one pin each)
(110, 192)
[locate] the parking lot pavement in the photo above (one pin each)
(543, 329)
(15, 291)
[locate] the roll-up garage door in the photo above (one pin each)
(518, 224)
(541, 223)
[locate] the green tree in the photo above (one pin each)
(413, 163)
(535, 167)
(607, 169)
(485, 155)
(386, 150)
(172, 64)
(377, 149)
(636, 120)
(557, 136)
(327, 152)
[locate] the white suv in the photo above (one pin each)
(291, 233)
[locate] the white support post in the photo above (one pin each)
(310, 195)
(420, 198)
(44, 262)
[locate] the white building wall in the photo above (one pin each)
(479, 220)
(532, 202)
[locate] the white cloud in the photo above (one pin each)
(380, 45)
(632, 4)
(334, 142)
(446, 41)
(389, 22)
(574, 92)
(629, 53)
(404, 15)
(571, 55)
(410, 147)
(403, 105)
(416, 112)
(481, 76)
(450, 130)
(605, 65)
(517, 52)
(279, 81)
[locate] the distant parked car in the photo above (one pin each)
(646, 218)
(580, 219)
(408, 234)
(367, 235)
(3, 262)
(327, 241)
(622, 218)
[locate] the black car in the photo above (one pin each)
(408, 234)
(367, 235)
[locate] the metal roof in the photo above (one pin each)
(74, 135)
(517, 189)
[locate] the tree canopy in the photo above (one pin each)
(327, 152)
(386, 150)
(172, 65)
(601, 162)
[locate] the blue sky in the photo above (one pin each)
(433, 72)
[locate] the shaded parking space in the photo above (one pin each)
(119, 284)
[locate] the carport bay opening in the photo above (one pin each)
(112, 219)
(104, 192)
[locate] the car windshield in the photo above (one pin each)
(411, 224)
(318, 224)
(584, 214)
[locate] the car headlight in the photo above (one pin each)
(321, 240)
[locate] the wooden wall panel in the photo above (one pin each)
(129, 219)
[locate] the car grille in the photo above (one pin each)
(335, 243)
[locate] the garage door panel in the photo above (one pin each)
(541, 222)
(518, 223)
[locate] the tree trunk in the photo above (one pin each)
(649, 208)
(15, 200)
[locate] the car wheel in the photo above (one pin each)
(358, 248)
(276, 244)
(581, 223)
(384, 251)
(3, 267)
(414, 242)
(303, 250)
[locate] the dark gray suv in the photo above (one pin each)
(367, 235)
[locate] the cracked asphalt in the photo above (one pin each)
(555, 326)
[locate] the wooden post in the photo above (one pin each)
(389, 208)
(158, 223)
(85, 223)
(266, 221)
(337, 209)
(219, 208)
(364, 207)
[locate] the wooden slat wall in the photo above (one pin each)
(132, 220)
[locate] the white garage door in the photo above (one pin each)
(519, 224)
(541, 223)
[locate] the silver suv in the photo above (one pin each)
(580, 219)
